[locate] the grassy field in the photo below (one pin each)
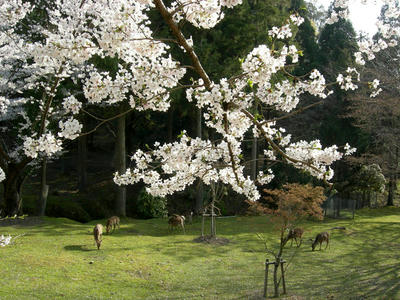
(57, 259)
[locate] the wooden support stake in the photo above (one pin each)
(283, 277)
(266, 277)
(202, 226)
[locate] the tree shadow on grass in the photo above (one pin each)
(78, 248)
(361, 265)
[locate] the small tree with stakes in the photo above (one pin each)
(286, 206)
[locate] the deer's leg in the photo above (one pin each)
(327, 242)
(183, 227)
(320, 244)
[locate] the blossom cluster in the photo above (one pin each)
(285, 31)
(5, 240)
(313, 158)
(47, 143)
(374, 87)
(2, 175)
(182, 162)
(4, 103)
(346, 82)
(202, 13)
(69, 129)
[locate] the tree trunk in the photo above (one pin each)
(12, 192)
(120, 204)
(82, 163)
(44, 190)
(253, 165)
(170, 124)
(392, 188)
(276, 282)
(213, 201)
(278, 259)
(199, 185)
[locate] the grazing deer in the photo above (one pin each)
(98, 232)
(294, 234)
(321, 237)
(175, 221)
(112, 223)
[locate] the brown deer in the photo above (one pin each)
(321, 237)
(294, 234)
(175, 221)
(112, 223)
(98, 232)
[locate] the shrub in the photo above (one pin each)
(149, 206)
(67, 209)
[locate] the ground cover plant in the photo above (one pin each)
(56, 258)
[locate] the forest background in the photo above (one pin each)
(79, 185)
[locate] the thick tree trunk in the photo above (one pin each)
(82, 163)
(120, 204)
(12, 192)
(44, 190)
(199, 191)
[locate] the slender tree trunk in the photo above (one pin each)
(82, 163)
(170, 124)
(278, 260)
(120, 205)
(213, 201)
(82, 159)
(44, 190)
(254, 159)
(199, 185)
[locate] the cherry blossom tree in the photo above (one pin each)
(37, 60)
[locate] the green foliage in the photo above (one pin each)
(67, 208)
(337, 42)
(370, 179)
(148, 206)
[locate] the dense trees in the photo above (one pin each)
(52, 72)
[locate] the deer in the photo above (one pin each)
(321, 237)
(112, 223)
(294, 234)
(175, 221)
(98, 232)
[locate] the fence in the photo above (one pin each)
(337, 207)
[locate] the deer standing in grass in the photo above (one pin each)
(112, 223)
(321, 237)
(175, 221)
(98, 232)
(295, 234)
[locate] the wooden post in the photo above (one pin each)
(266, 277)
(202, 226)
(283, 277)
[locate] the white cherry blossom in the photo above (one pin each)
(2, 175)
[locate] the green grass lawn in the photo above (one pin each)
(58, 259)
